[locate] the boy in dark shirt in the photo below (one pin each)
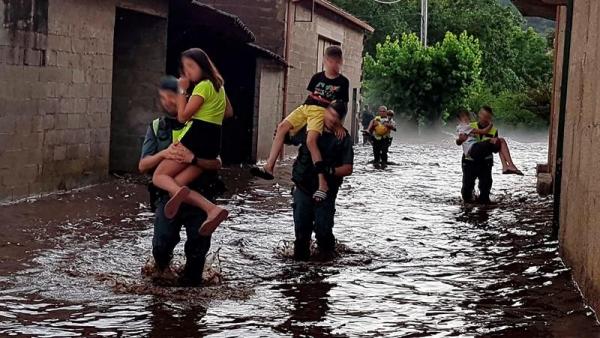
(325, 88)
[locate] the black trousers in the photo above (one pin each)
(380, 149)
(166, 237)
(310, 217)
(477, 170)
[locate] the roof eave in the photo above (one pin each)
(345, 15)
(540, 8)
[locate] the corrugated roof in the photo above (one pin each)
(235, 22)
(342, 13)
(239, 31)
(267, 53)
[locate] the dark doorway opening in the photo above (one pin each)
(197, 26)
(139, 57)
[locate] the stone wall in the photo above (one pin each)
(55, 93)
(580, 199)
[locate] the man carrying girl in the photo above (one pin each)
(202, 104)
(158, 146)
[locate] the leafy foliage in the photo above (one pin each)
(446, 72)
(513, 59)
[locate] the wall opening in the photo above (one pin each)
(139, 58)
(236, 63)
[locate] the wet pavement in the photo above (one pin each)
(413, 261)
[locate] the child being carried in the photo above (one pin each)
(325, 88)
(480, 143)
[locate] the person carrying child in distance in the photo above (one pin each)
(482, 141)
(203, 115)
(324, 88)
(381, 128)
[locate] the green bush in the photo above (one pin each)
(510, 108)
(421, 81)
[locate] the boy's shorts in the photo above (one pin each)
(481, 150)
(309, 116)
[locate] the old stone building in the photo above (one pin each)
(574, 136)
(78, 77)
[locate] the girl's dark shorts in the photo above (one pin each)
(481, 150)
(203, 139)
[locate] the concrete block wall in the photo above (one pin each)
(580, 197)
(55, 93)
(303, 54)
(269, 105)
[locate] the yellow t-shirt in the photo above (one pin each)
(213, 108)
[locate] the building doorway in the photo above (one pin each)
(198, 26)
(139, 58)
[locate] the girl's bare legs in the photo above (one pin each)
(164, 179)
(184, 173)
(507, 162)
(164, 175)
(282, 129)
(215, 215)
(188, 175)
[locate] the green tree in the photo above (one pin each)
(423, 81)
(513, 59)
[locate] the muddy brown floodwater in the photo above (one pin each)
(413, 261)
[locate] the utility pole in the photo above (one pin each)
(424, 21)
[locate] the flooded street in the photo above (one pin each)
(414, 262)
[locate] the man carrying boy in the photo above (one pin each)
(324, 88)
(158, 146)
(309, 215)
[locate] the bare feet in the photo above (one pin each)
(172, 206)
(213, 220)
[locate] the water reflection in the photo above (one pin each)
(414, 262)
(309, 298)
(170, 319)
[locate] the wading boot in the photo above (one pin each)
(301, 251)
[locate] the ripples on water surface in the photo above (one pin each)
(414, 262)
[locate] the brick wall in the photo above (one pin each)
(55, 93)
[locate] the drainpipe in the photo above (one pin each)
(561, 119)
(286, 56)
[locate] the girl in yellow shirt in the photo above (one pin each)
(203, 115)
